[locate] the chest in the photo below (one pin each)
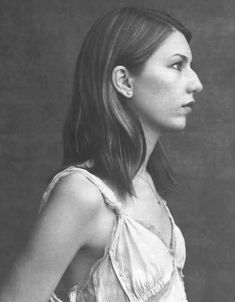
(151, 213)
(145, 210)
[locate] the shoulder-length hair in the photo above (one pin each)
(100, 126)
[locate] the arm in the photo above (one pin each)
(65, 225)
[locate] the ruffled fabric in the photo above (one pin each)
(145, 265)
(136, 266)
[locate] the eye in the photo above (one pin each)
(178, 65)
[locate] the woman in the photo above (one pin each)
(104, 232)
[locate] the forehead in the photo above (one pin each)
(175, 43)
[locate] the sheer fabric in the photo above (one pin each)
(136, 266)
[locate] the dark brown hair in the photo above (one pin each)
(100, 126)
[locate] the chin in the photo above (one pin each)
(174, 127)
(180, 124)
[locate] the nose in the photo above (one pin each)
(195, 85)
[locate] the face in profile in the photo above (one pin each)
(163, 93)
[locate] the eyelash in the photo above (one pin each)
(178, 65)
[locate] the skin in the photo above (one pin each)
(71, 220)
(162, 96)
(164, 88)
(159, 95)
(166, 83)
(75, 225)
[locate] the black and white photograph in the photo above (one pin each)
(117, 151)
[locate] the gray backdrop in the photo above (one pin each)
(38, 47)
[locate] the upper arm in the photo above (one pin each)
(63, 227)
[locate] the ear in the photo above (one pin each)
(122, 81)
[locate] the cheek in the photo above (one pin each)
(156, 94)
(151, 87)
(157, 100)
(162, 85)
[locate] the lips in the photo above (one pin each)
(187, 108)
(189, 104)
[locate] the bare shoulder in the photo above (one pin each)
(75, 204)
(77, 193)
(66, 223)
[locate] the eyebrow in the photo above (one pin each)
(185, 58)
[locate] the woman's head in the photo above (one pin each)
(100, 125)
(162, 94)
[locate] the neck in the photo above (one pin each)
(151, 139)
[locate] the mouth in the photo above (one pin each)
(189, 106)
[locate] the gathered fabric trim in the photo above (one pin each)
(77, 292)
(54, 298)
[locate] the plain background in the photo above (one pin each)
(39, 44)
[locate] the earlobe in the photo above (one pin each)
(122, 81)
